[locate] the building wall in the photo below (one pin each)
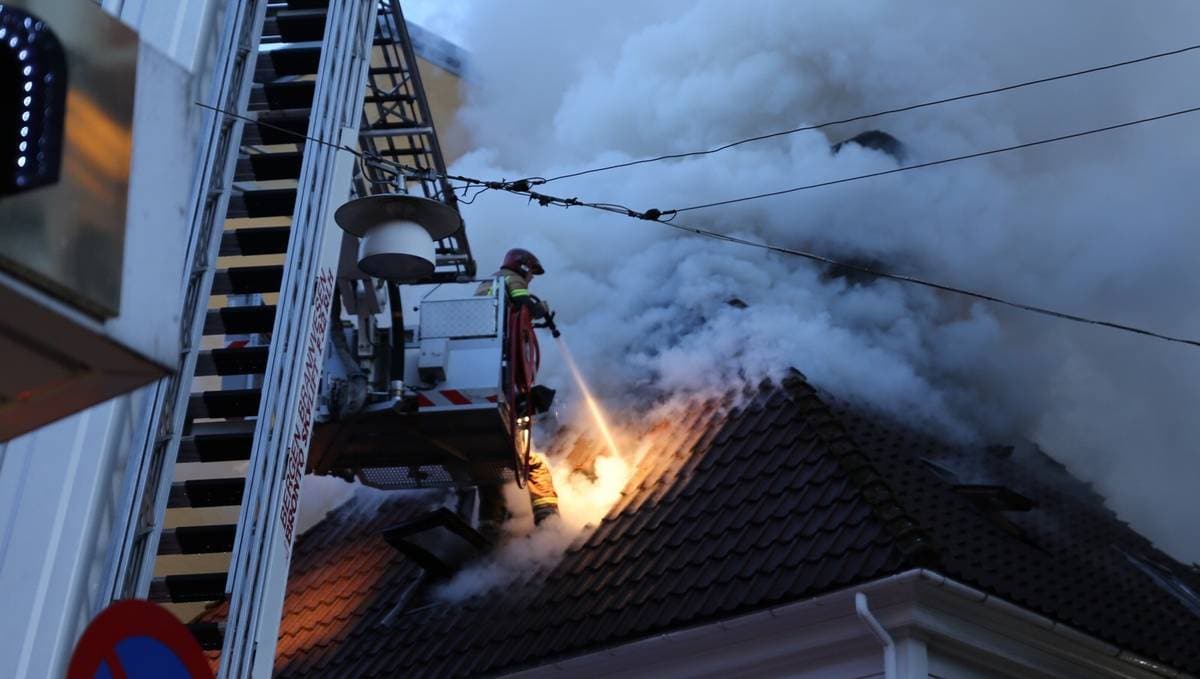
(178, 29)
(945, 665)
(444, 91)
(176, 45)
(61, 486)
(60, 494)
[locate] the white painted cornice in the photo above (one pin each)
(951, 618)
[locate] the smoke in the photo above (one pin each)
(443, 18)
(320, 495)
(1099, 226)
(584, 499)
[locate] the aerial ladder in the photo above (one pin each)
(371, 342)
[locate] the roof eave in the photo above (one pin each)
(917, 603)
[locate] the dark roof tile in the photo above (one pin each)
(731, 509)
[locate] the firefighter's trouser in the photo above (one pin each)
(541, 487)
(542, 498)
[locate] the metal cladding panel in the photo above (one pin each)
(475, 317)
(64, 173)
(175, 28)
(473, 365)
(58, 494)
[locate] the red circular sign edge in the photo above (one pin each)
(135, 618)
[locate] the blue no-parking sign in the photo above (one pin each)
(137, 639)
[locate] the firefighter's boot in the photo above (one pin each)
(540, 514)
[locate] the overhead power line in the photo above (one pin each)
(523, 188)
(931, 284)
(932, 163)
(867, 116)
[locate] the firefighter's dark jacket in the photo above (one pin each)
(518, 292)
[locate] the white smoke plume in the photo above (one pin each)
(583, 500)
(1101, 226)
(320, 495)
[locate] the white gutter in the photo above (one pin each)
(889, 646)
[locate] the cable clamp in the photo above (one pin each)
(653, 214)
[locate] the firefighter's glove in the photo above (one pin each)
(537, 308)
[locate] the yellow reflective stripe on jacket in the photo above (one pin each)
(545, 502)
(518, 292)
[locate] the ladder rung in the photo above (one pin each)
(297, 25)
(239, 320)
(282, 95)
(386, 98)
(189, 588)
(268, 166)
(232, 361)
(300, 58)
(403, 153)
(206, 493)
(216, 448)
(214, 539)
(218, 442)
(247, 279)
(262, 203)
(396, 131)
(220, 403)
(269, 240)
(397, 70)
(265, 131)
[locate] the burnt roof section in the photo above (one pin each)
(786, 497)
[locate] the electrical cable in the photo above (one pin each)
(867, 116)
(931, 284)
(414, 172)
(522, 188)
(941, 161)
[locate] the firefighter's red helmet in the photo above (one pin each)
(523, 262)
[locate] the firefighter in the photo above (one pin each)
(517, 270)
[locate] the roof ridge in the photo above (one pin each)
(912, 541)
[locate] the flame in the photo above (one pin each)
(592, 404)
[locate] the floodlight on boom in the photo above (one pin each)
(397, 233)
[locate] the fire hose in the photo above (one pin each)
(524, 358)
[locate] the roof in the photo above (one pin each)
(437, 50)
(790, 495)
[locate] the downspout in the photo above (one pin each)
(889, 646)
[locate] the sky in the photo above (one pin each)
(1100, 226)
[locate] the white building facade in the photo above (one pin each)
(62, 486)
